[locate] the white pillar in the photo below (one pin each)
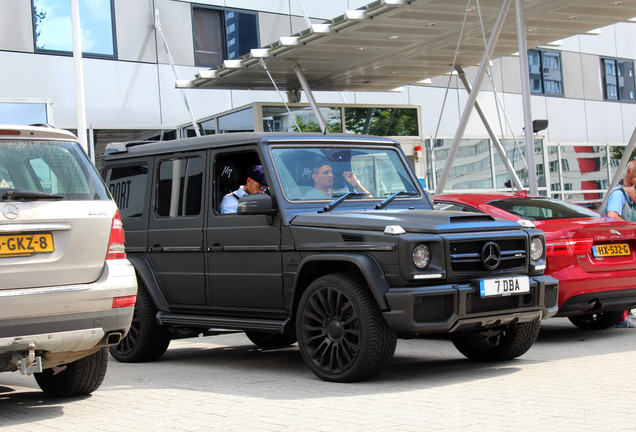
(80, 102)
(525, 96)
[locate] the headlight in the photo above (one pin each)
(536, 249)
(421, 256)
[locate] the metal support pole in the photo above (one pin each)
(481, 72)
(80, 101)
(525, 96)
(493, 137)
(310, 98)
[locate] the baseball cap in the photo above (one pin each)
(257, 174)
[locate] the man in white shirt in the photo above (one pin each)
(256, 183)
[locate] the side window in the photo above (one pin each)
(127, 185)
(230, 173)
(179, 188)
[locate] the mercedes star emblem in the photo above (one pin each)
(491, 255)
(10, 211)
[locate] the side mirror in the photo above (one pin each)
(256, 204)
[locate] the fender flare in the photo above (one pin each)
(367, 265)
(147, 277)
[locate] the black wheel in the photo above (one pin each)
(146, 340)
(497, 344)
(79, 378)
(597, 321)
(271, 339)
(342, 335)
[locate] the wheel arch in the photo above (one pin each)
(147, 277)
(365, 266)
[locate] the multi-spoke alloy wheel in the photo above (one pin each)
(146, 340)
(341, 334)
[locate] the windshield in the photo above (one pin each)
(543, 208)
(325, 173)
(44, 169)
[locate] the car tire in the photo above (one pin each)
(146, 340)
(497, 344)
(597, 321)
(341, 333)
(78, 378)
(271, 339)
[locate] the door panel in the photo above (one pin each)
(175, 234)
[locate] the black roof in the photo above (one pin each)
(138, 148)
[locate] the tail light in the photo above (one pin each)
(569, 247)
(116, 248)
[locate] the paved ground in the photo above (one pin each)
(569, 380)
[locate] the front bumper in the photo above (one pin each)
(450, 308)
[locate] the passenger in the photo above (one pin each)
(256, 183)
(322, 175)
(621, 201)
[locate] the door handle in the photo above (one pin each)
(216, 247)
(155, 248)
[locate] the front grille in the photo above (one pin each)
(476, 304)
(433, 308)
(466, 255)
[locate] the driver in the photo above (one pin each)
(322, 175)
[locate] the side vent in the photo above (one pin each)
(350, 238)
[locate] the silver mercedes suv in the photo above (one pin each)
(67, 291)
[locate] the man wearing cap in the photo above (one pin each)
(256, 183)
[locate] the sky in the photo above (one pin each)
(95, 22)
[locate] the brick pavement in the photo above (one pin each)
(570, 380)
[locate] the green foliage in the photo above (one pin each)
(617, 153)
(311, 125)
(38, 17)
(382, 121)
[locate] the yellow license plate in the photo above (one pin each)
(618, 249)
(25, 244)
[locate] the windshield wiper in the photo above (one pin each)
(386, 201)
(18, 195)
(341, 199)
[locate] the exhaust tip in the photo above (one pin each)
(114, 338)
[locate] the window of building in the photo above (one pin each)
(618, 79)
(222, 34)
(545, 72)
(53, 32)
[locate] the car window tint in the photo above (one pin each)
(444, 205)
(127, 185)
(55, 167)
(179, 189)
(543, 208)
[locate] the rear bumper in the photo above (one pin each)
(603, 301)
(577, 287)
(66, 322)
(450, 308)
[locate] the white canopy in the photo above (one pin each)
(391, 43)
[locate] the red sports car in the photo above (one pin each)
(594, 257)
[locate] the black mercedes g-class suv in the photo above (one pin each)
(343, 253)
